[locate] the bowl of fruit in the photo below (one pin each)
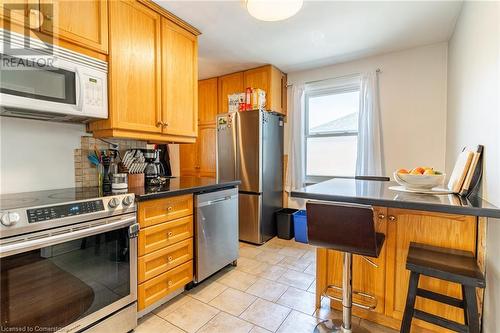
(420, 178)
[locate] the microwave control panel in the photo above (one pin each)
(57, 212)
(94, 91)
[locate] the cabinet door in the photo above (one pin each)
(135, 67)
(19, 12)
(206, 151)
(444, 230)
(284, 93)
(179, 79)
(366, 277)
(260, 78)
(188, 159)
(207, 101)
(229, 84)
(81, 22)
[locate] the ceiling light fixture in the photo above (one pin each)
(273, 10)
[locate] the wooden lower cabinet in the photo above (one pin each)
(160, 286)
(165, 247)
(389, 281)
(162, 260)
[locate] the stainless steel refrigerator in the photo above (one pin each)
(250, 148)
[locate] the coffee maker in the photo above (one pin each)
(154, 169)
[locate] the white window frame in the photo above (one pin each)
(312, 179)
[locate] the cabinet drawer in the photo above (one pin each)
(168, 233)
(162, 260)
(158, 287)
(156, 211)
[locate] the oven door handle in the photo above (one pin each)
(28, 245)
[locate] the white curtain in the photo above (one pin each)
(295, 171)
(369, 160)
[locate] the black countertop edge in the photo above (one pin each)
(195, 189)
(474, 211)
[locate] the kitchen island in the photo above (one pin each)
(440, 220)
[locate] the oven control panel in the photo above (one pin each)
(61, 211)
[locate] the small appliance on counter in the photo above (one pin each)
(154, 168)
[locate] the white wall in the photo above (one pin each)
(474, 118)
(412, 88)
(37, 155)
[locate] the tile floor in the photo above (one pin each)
(271, 290)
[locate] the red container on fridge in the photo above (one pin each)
(248, 98)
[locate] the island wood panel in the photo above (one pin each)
(188, 159)
(366, 277)
(84, 23)
(438, 229)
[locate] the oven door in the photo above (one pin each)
(68, 278)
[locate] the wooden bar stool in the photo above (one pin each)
(449, 265)
(350, 229)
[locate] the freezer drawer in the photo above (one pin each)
(250, 217)
(216, 231)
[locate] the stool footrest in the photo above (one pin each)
(458, 303)
(366, 302)
(443, 322)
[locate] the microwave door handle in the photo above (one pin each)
(79, 102)
(11, 249)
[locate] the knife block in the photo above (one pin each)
(135, 180)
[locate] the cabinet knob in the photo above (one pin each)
(169, 208)
(165, 124)
(381, 216)
(392, 218)
(159, 123)
(170, 233)
(170, 283)
(170, 258)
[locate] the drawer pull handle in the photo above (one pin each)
(392, 218)
(381, 216)
(170, 234)
(170, 258)
(169, 209)
(170, 283)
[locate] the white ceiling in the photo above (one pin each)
(322, 33)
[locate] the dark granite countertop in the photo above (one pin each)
(377, 193)
(179, 186)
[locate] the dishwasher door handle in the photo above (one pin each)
(212, 202)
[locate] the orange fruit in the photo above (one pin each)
(402, 171)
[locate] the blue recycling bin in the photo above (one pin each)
(300, 226)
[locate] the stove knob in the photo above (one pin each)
(9, 219)
(128, 200)
(113, 203)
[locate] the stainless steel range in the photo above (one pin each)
(68, 261)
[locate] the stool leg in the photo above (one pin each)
(410, 303)
(466, 319)
(347, 292)
(472, 314)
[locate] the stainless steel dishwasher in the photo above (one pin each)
(216, 231)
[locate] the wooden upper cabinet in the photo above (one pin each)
(135, 67)
(229, 84)
(19, 11)
(437, 229)
(207, 101)
(179, 80)
(270, 79)
(84, 23)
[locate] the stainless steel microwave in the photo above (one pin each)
(53, 84)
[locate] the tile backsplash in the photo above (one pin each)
(85, 172)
